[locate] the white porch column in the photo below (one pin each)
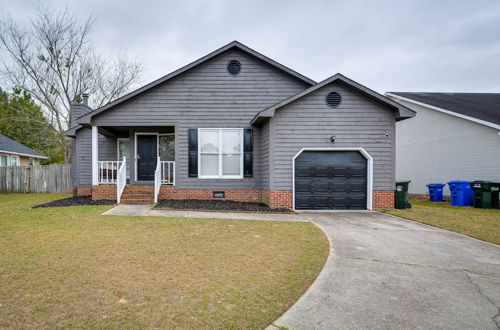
(95, 153)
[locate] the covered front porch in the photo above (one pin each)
(133, 156)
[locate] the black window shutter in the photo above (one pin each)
(248, 153)
(193, 152)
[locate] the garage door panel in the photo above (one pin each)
(302, 187)
(302, 171)
(320, 171)
(358, 171)
(330, 180)
(357, 186)
(320, 186)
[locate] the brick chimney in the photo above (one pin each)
(79, 109)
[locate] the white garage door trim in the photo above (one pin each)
(369, 170)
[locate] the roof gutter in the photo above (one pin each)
(476, 120)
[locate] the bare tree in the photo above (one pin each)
(54, 60)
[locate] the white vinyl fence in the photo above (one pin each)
(55, 178)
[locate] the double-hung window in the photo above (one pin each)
(3, 160)
(220, 153)
(14, 160)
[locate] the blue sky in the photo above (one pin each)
(451, 46)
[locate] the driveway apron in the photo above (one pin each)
(384, 272)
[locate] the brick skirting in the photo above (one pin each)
(82, 191)
(383, 199)
(281, 199)
(104, 192)
(240, 195)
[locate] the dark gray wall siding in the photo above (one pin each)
(208, 97)
(82, 167)
(309, 123)
(107, 148)
(83, 157)
(265, 154)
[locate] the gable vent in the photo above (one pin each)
(333, 99)
(234, 67)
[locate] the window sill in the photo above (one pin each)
(237, 177)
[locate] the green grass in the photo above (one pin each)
(72, 267)
(483, 224)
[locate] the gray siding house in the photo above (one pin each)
(239, 126)
(455, 136)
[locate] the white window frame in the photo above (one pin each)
(6, 159)
(118, 147)
(17, 158)
(220, 175)
(166, 134)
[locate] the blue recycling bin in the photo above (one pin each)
(460, 193)
(435, 192)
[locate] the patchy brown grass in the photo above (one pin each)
(483, 224)
(72, 267)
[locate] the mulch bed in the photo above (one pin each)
(76, 201)
(216, 205)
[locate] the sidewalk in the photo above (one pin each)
(146, 210)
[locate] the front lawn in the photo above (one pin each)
(71, 267)
(483, 224)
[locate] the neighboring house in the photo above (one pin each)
(239, 126)
(455, 136)
(13, 153)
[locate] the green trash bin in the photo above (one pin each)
(485, 194)
(401, 192)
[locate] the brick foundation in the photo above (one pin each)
(104, 192)
(383, 199)
(276, 199)
(82, 191)
(280, 199)
(241, 195)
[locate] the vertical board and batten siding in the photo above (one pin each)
(436, 147)
(309, 123)
(83, 161)
(207, 96)
(55, 178)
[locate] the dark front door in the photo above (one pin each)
(330, 180)
(147, 148)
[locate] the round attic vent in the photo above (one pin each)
(234, 67)
(333, 99)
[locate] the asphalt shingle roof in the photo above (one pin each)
(10, 145)
(484, 106)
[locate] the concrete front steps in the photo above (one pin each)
(137, 195)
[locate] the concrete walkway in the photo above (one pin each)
(384, 272)
(146, 210)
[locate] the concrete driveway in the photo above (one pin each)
(388, 273)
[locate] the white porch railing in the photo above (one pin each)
(108, 171)
(121, 179)
(157, 180)
(167, 172)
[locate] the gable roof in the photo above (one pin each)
(85, 119)
(402, 111)
(13, 147)
(483, 108)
